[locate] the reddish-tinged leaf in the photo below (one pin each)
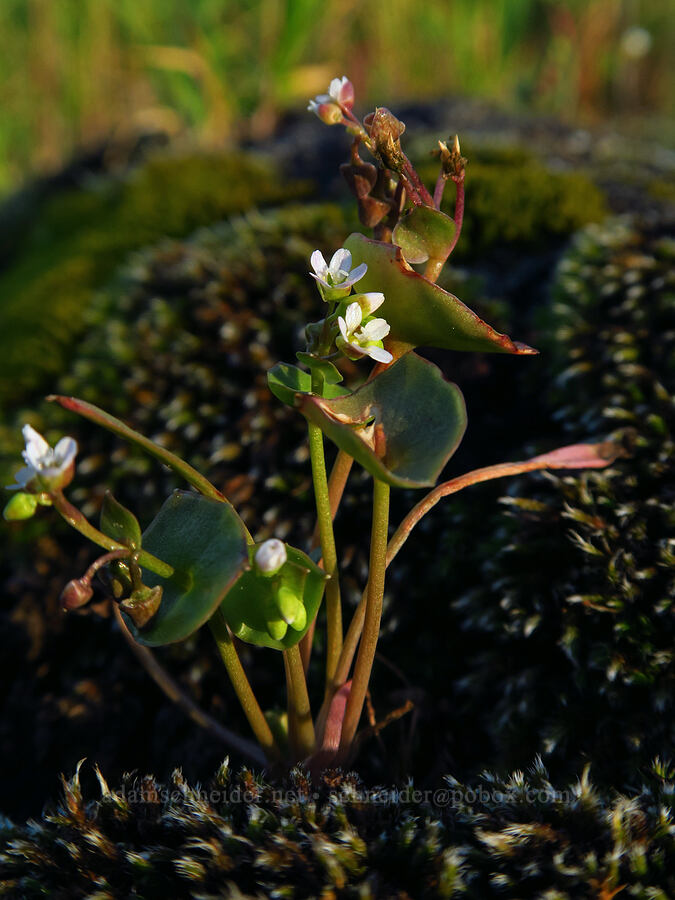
(580, 456)
(420, 313)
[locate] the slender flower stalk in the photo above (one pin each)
(373, 615)
(337, 481)
(328, 550)
(242, 686)
(301, 726)
(77, 520)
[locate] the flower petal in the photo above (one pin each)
(319, 264)
(36, 446)
(353, 317)
(357, 274)
(370, 301)
(65, 452)
(342, 325)
(340, 264)
(22, 477)
(335, 87)
(379, 354)
(375, 330)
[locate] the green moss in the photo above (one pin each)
(242, 836)
(81, 236)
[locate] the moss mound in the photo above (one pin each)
(241, 837)
(79, 237)
(568, 634)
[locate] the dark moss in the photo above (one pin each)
(240, 836)
(566, 637)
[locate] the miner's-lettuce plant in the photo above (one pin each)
(197, 564)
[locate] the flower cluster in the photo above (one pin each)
(359, 334)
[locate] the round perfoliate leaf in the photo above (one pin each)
(119, 523)
(402, 426)
(258, 611)
(205, 542)
(21, 506)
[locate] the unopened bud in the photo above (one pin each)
(76, 593)
(277, 628)
(21, 506)
(329, 112)
(291, 608)
(270, 557)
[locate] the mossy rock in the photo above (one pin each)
(240, 835)
(563, 619)
(80, 236)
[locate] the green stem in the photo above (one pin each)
(242, 686)
(80, 523)
(336, 486)
(328, 551)
(373, 614)
(301, 726)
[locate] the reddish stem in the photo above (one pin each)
(459, 210)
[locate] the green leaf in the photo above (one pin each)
(402, 426)
(424, 233)
(420, 313)
(205, 541)
(119, 523)
(104, 419)
(286, 381)
(255, 613)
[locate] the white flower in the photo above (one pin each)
(46, 468)
(356, 341)
(270, 556)
(335, 280)
(328, 107)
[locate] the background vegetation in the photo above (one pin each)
(74, 72)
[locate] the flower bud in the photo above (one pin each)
(291, 608)
(76, 593)
(277, 628)
(270, 557)
(329, 113)
(21, 506)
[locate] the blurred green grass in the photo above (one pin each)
(73, 72)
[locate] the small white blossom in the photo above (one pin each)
(328, 107)
(335, 279)
(270, 556)
(46, 468)
(356, 341)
